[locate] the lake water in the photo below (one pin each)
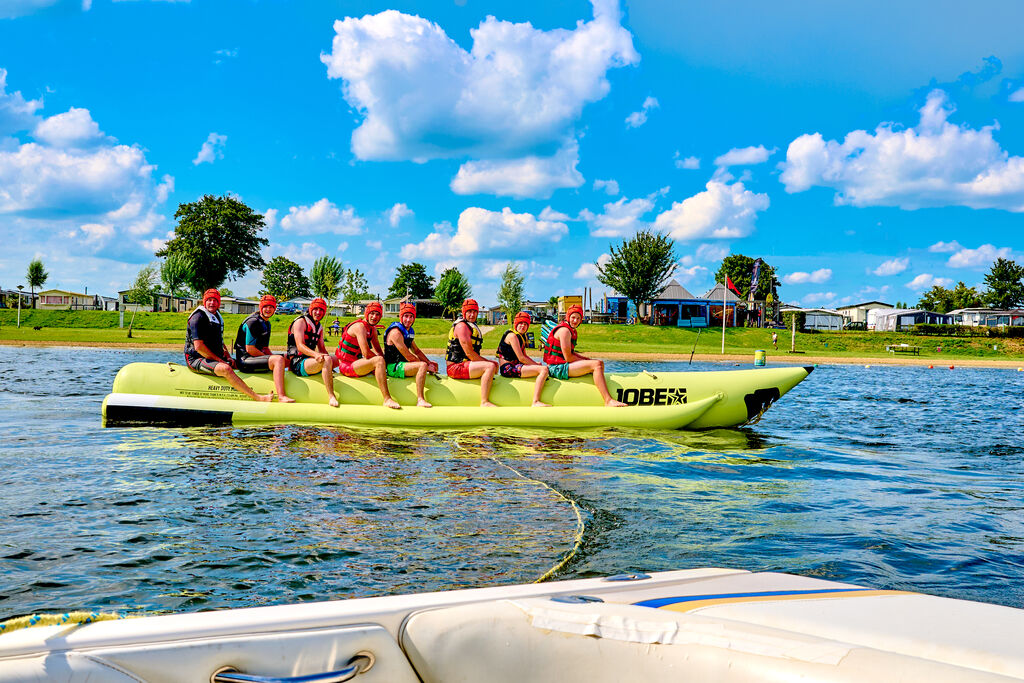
(894, 477)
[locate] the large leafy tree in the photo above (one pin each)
(219, 237)
(942, 300)
(145, 286)
(452, 289)
(1005, 281)
(639, 267)
(412, 279)
(36, 277)
(356, 287)
(284, 279)
(326, 277)
(740, 270)
(175, 273)
(511, 292)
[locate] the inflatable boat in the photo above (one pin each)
(171, 394)
(694, 625)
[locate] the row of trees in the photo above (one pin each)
(1005, 289)
(412, 281)
(327, 278)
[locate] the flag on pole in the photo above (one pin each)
(730, 285)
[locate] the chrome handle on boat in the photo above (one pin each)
(357, 665)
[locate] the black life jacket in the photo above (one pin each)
(391, 352)
(213, 337)
(505, 350)
(455, 354)
(262, 339)
(314, 332)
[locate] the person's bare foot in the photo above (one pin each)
(487, 404)
(541, 404)
(333, 402)
(265, 398)
(391, 403)
(612, 403)
(285, 399)
(422, 403)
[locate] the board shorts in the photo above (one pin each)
(396, 370)
(253, 363)
(345, 368)
(459, 370)
(203, 366)
(511, 370)
(559, 370)
(297, 364)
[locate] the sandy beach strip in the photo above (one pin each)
(780, 357)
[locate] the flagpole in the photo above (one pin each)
(724, 290)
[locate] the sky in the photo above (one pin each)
(867, 151)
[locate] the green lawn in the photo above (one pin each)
(169, 328)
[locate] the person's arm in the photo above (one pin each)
(203, 350)
(466, 341)
(565, 340)
(431, 365)
(520, 352)
(299, 334)
(375, 343)
(396, 338)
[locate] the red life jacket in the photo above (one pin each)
(553, 354)
(348, 347)
(314, 333)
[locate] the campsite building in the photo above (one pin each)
(858, 313)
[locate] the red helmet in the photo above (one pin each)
(318, 303)
(407, 308)
(521, 317)
(268, 300)
(211, 293)
(371, 307)
(470, 305)
(575, 308)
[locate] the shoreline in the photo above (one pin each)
(748, 358)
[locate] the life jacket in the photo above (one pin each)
(311, 339)
(214, 337)
(261, 340)
(553, 354)
(505, 350)
(348, 347)
(391, 352)
(455, 354)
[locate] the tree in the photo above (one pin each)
(36, 277)
(411, 279)
(452, 289)
(510, 294)
(175, 273)
(942, 300)
(219, 237)
(740, 270)
(145, 286)
(326, 277)
(356, 287)
(1005, 283)
(284, 279)
(639, 267)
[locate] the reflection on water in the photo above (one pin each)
(896, 477)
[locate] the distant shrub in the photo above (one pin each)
(801, 319)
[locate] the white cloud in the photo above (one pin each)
(531, 270)
(1017, 95)
(72, 129)
(588, 270)
(270, 217)
(893, 266)
(945, 247)
(818, 299)
(981, 257)
(10, 9)
(549, 214)
(16, 113)
(639, 118)
(164, 189)
(397, 212)
(321, 218)
(621, 218)
(97, 232)
(481, 232)
(609, 186)
(927, 281)
(723, 210)
(531, 176)
(303, 254)
(712, 252)
(745, 156)
(211, 150)
(692, 274)
(376, 245)
(933, 164)
(422, 96)
(689, 163)
(799, 277)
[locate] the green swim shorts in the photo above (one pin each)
(396, 370)
(559, 370)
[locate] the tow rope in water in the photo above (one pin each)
(581, 527)
(65, 619)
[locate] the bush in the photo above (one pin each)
(801, 319)
(945, 330)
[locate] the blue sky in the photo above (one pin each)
(867, 152)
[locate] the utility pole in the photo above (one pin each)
(20, 287)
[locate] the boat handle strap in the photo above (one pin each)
(357, 665)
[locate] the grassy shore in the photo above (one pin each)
(168, 329)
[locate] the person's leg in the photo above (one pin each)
(224, 370)
(596, 367)
(365, 366)
(419, 368)
(485, 371)
(310, 366)
(274, 364)
(541, 373)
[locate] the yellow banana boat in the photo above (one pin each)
(171, 394)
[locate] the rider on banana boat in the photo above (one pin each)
(402, 356)
(252, 346)
(307, 354)
(359, 351)
(563, 361)
(205, 351)
(514, 361)
(463, 356)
